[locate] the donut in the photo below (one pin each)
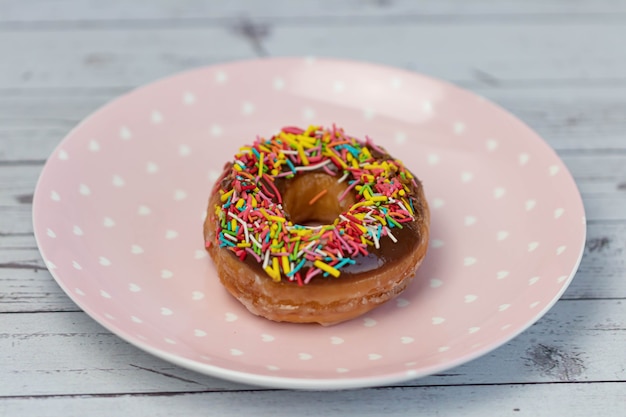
(316, 226)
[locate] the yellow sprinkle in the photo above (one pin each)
(366, 152)
(361, 204)
(402, 192)
(254, 202)
(277, 219)
(261, 164)
(355, 163)
(305, 160)
(380, 219)
(379, 198)
(407, 205)
(264, 149)
(276, 276)
(233, 224)
(271, 273)
(240, 203)
(367, 194)
(327, 268)
(243, 245)
(285, 261)
(237, 167)
(225, 196)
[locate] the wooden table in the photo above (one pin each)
(558, 65)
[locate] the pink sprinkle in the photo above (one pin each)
(351, 186)
(309, 275)
(251, 252)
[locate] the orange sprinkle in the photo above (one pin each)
(317, 197)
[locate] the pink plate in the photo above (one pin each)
(119, 206)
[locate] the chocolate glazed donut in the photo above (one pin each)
(315, 226)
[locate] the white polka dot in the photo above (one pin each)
(79, 291)
(308, 113)
(553, 170)
(136, 319)
(491, 145)
(50, 265)
(472, 330)
(118, 181)
(560, 250)
(436, 243)
(199, 254)
(443, 349)
(134, 287)
(435, 283)
(125, 133)
(63, 156)
(369, 322)
(470, 298)
(189, 98)
(499, 192)
(368, 114)
(561, 278)
(144, 210)
(84, 190)
(339, 87)
(427, 106)
(437, 320)
(469, 261)
(279, 84)
(437, 203)
(105, 294)
(523, 158)
(342, 370)
(51, 233)
(396, 83)
(470, 220)
(374, 356)
(406, 340)
(166, 274)
(336, 340)
(400, 138)
(502, 274)
(55, 196)
(532, 246)
(267, 337)
(197, 295)
(411, 373)
(199, 333)
(136, 249)
(247, 108)
(402, 302)
(221, 77)
(458, 128)
(170, 341)
(533, 280)
(156, 117)
(76, 265)
(108, 316)
(171, 234)
(166, 311)
(104, 261)
(184, 150)
(94, 146)
(272, 368)
(108, 222)
(180, 195)
(230, 317)
(530, 204)
(466, 176)
(502, 234)
(534, 304)
(433, 159)
(305, 356)
(216, 130)
(558, 213)
(152, 168)
(506, 326)
(503, 307)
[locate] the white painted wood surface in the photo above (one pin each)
(559, 65)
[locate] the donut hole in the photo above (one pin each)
(304, 205)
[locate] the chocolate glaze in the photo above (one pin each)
(408, 237)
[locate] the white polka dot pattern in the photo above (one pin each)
(127, 213)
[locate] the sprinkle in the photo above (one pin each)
(317, 197)
(327, 268)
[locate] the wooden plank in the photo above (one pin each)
(26, 286)
(574, 117)
(572, 400)
(73, 10)
(126, 57)
(69, 354)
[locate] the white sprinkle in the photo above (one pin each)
(343, 178)
(313, 167)
(391, 236)
(266, 261)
